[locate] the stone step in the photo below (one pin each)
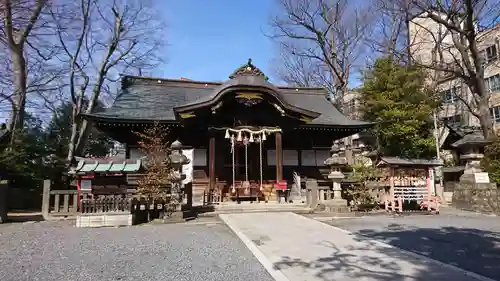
(302, 210)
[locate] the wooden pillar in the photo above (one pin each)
(211, 162)
(279, 157)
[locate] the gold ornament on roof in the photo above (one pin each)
(248, 69)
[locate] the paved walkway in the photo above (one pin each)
(294, 248)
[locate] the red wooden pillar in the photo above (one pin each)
(279, 157)
(211, 162)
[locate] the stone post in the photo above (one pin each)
(312, 188)
(4, 192)
(46, 199)
(337, 190)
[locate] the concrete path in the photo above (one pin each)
(294, 248)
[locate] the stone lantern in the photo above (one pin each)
(471, 149)
(336, 163)
(177, 160)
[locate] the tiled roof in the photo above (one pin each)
(155, 99)
(475, 138)
(408, 162)
(88, 165)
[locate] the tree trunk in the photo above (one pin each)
(85, 126)
(20, 88)
(73, 137)
(485, 118)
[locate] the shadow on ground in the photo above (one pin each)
(348, 264)
(470, 249)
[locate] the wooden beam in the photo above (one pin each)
(211, 162)
(279, 156)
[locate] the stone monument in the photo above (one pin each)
(336, 162)
(296, 190)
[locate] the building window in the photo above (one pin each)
(450, 95)
(453, 120)
(491, 53)
(495, 114)
(493, 83)
(349, 107)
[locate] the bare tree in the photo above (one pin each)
(100, 40)
(463, 30)
(389, 33)
(19, 19)
(297, 71)
(325, 34)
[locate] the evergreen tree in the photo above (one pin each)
(395, 96)
(24, 159)
(59, 133)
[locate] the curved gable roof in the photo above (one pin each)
(144, 99)
(245, 82)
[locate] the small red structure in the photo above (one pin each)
(105, 176)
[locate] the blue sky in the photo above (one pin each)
(211, 38)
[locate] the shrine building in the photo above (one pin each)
(243, 130)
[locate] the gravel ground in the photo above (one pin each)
(59, 251)
(466, 240)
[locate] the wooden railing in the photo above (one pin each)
(58, 203)
(110, 204)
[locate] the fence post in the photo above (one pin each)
(4, 192)
(46, 199)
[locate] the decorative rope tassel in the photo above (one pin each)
(246, 162)
(263, 136)
(246, 183)
(227, 136)
(260, 159)
(233, 190)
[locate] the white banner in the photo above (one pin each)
(271, 157)
(290, 158)
(188, 168)
(321, 156)
(200, 157)
(308, 158)
(314, 158)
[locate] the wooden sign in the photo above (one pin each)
(481, 178)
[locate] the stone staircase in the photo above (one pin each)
(247, 207)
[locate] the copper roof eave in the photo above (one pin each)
(361, 126)
(100, 118)
(222, 92)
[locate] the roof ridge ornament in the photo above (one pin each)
(248, 69)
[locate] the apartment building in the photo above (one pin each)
(350, 107)
(425, 34)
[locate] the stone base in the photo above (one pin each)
(468, 178)
(178, 216)
(336, 206)
(104, 220)
(483, 198)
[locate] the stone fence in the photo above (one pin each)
(477, 197)
(57, 204)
